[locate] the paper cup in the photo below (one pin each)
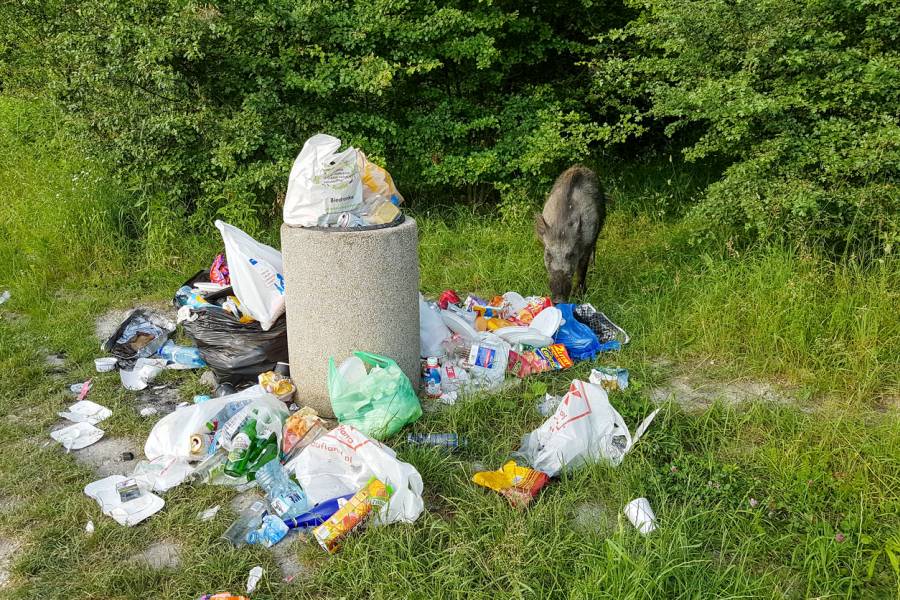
(105, 364)
(641, 515)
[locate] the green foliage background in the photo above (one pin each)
(201, 107)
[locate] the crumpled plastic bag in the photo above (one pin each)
(579, 340)
(376, 181)
(342, 461)
(125, 513)
(378, 402)
(517, 484)
(584, 428)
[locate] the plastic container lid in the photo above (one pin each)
(458, 324)
(547, 321)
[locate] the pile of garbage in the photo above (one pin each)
(473, 344)
(333, 479)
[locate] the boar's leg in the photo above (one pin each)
(583, 267)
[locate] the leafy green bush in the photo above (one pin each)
(801, 97)
(212, 102)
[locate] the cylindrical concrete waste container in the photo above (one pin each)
(347, 290)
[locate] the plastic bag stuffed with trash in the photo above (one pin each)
(579, 340)
(323, 183)
(344, 459)
(377, 402)
(237, 351)
(584, 428)
(256, 274)
(171, 436)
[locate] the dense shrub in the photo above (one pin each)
(211, 102)
(801, 97)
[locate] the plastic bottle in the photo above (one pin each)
(285, 497)
(249, 519)
(270, 533)
(450, 441)
(488, 357)
(318, 514)
(241, 447)
(432, 378)
(185, 356)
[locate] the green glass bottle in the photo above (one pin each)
(244, 444)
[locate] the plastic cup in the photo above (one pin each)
(641, 515)
(105, 364)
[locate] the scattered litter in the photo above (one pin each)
(77, 436)
(105, 364)
(125, 513)
(85, 411)
(4, 296)
(222, 596)
(181, 357)
(145, 370)
(584, 427)
(611, 378)
(641, 515)
(256, 574)
(520, 485)
(249, 520)
(209, 514)
(89, 528)
(148, 411)
(127, 456)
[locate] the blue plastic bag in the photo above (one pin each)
(579, 340)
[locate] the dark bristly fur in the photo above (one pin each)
(568, 227)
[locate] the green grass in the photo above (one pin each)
(827, 334)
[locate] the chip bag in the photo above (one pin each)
(519, 484)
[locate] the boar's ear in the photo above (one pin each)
(540, 226)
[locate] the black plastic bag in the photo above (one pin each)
(140, 335)
(237, 352)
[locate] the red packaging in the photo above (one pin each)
(447, 298)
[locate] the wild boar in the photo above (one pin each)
(568, 228)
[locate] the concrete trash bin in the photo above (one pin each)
(348, 290)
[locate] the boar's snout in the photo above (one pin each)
(560, 286)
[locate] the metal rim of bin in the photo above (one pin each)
(398, 221)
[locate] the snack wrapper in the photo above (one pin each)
(374, 494)
(518, 484)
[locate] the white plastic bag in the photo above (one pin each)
(432, 331)
(342, 461)
(584, 428)
(171, 436)
(323, 184)
(257, 274)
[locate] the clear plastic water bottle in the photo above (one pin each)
(270, 533)
(432, 378)
(185, 356)
(285, 497)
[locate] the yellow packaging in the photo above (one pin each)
(374, 494)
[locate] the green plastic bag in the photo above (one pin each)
(380, 403)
